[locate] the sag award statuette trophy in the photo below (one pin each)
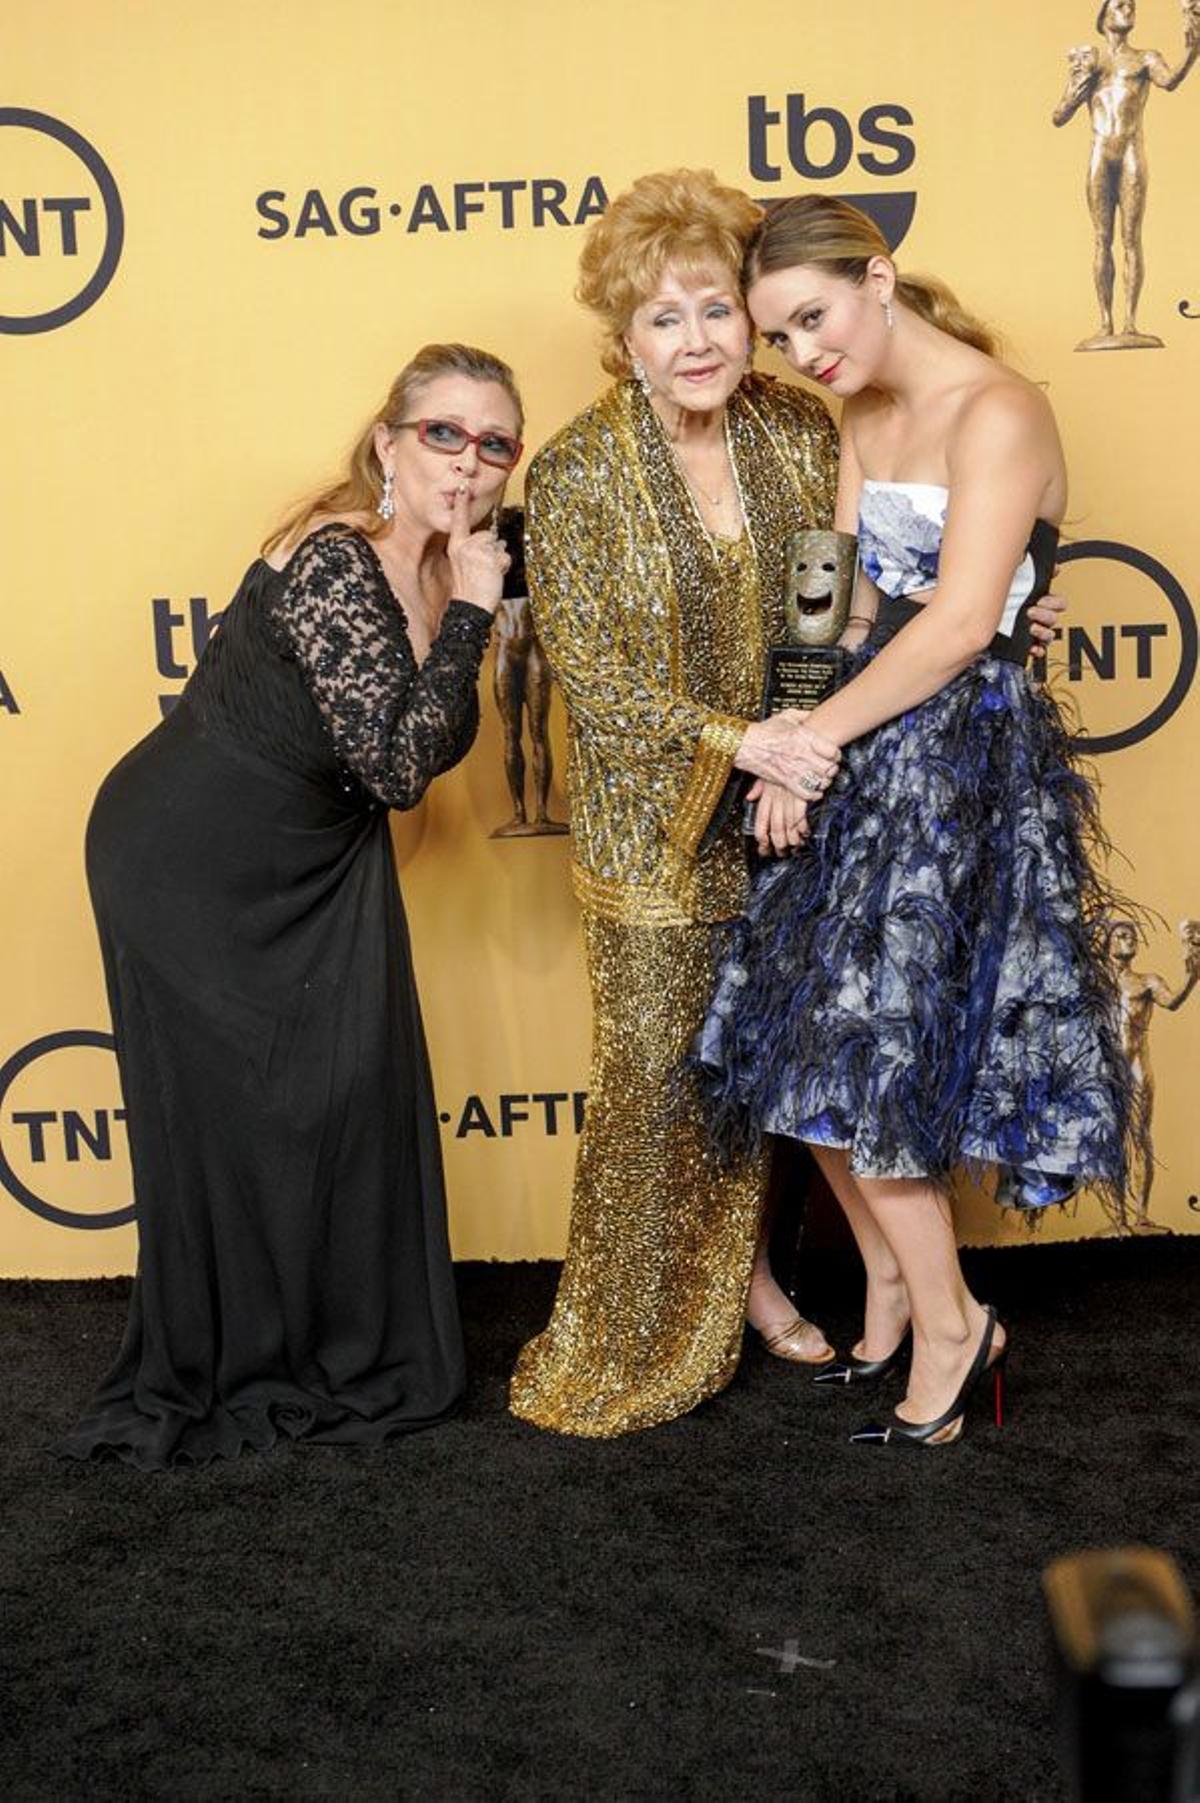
(808, 666)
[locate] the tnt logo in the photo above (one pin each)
(63, 1148)
(61, 222)
(1129, 645)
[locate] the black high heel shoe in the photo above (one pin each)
(949, 1424)
(851, 1370)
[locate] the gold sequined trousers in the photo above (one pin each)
(648, 1317)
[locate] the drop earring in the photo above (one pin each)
(640, 376)
(386, 506)
(888, 314)
(750, 350)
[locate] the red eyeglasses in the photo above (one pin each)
(443, 435)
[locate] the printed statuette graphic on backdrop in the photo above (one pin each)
(1141, 993)
(522, 683)
(1115, 82)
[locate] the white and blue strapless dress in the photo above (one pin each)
(924, 983)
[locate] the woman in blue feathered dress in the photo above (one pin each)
(922, 984)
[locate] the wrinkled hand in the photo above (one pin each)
(1044, 619)
(478, 560)
(780, 819)
(783, 750)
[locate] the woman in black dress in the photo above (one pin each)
(294, 1269)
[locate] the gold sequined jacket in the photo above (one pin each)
(656, 632)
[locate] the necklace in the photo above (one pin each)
(697, 494)
(702, 494)
(713, 500)
(693, 487)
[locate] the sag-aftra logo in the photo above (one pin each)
(792, 136)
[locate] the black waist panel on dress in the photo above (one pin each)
(1013, 648)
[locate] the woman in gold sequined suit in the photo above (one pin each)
(657, 522)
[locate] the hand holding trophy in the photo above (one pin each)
(810, 663)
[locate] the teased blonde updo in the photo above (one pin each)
(825, 233)
(358, 488)
(679, 216)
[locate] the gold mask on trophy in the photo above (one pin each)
(820, 580)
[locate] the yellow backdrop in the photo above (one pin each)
(223, 228)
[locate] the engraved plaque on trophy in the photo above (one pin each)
(809, 664)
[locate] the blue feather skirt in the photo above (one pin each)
(924, 983)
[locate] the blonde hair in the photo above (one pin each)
(680, 216)
(822, 232)
(358, 488)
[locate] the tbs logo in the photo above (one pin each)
(821, 144)
(178, 632)
(61, 222)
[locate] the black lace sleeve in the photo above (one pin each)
(394, 725)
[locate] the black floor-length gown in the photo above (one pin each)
(294, 1271)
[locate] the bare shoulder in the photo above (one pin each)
(1005, 429)
(1005, 412)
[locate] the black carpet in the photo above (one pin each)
(483, 1611)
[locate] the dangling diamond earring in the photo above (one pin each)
(750, 350)
(386, 507)
(889, 315)
(640, 377)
